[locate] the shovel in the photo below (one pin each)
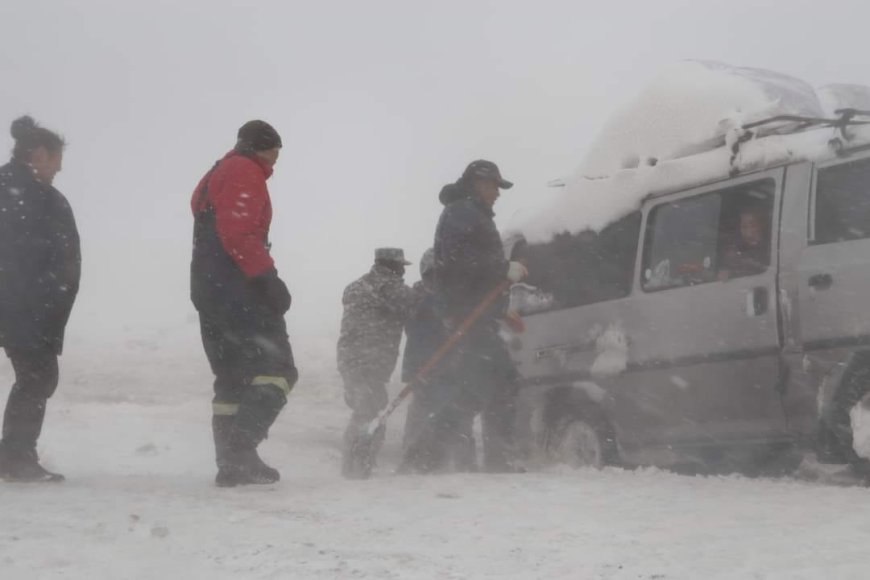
(368, 441)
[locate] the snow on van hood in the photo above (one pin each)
(678, 134)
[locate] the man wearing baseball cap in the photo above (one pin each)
(469, 264)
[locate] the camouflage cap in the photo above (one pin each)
(391, 255)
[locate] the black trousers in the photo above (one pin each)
(439, 429)
(250, 355)
(483, 380)
(36, 378)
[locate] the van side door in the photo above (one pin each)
(705, 365)
(830, 284)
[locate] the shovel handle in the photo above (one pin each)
(439, 354)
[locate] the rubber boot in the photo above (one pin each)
(227, 475)
(221, 425)
(258, 409)
(244, 467)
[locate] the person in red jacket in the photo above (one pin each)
(241, 303)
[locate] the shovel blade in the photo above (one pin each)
(360, 458)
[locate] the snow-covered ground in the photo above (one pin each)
(130, 429)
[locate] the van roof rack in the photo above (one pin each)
(790, 124)
(847, 117)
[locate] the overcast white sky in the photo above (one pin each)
(379, 104)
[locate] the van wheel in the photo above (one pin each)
(848, 416)
(582, 442)
(580, 445)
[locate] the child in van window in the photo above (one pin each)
(748, 252)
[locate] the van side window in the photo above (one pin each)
(843, 203)
(710, 237)
(576, 269)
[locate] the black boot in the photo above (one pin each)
(258, 409)
(221, 426)
(258, 470)
(22, 465)
(228, 475)
(244, 467)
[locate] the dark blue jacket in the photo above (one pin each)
(469, 257)
(425, 334)
(40, 261)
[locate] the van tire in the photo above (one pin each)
(835, 438)
(578, 433)
(578, 444)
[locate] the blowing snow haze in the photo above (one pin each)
(379, 104)
(720, 329)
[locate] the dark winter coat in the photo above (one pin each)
(232, 215)
(376, 307)
(425, 334)
(469, 258)
(40, 261)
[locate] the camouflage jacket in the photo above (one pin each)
(376, 308)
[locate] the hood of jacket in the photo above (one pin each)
(453, 192)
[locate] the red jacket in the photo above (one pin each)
(238, 194)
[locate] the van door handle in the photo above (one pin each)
(821, 281)
(759, 301)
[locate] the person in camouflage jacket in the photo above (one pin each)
(376, 307)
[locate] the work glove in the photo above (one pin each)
(516, 272)
(272, 291)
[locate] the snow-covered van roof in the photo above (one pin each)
(699, 122)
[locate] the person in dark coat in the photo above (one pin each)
(469, 264)
(376, 306)
(241, 302)
(40, 267)
(438, 428)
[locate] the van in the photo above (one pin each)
(724, 325)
